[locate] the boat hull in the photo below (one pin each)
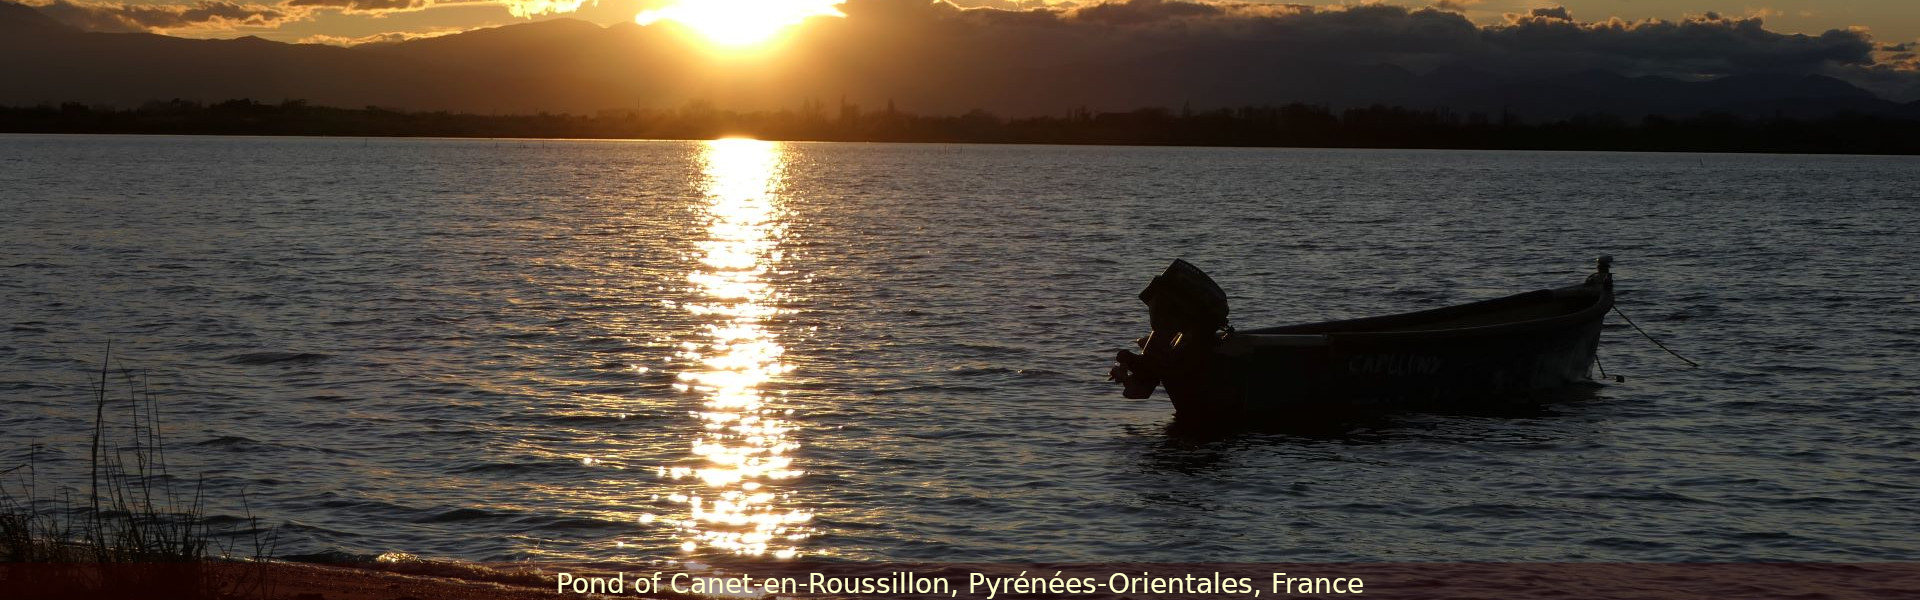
(1461, 367)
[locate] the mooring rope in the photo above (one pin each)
(1643, 333)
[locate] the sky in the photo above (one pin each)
(1125, 51)
(346, 22)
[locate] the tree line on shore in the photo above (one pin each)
(1296, 125)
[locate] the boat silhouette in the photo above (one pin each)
(1491, 350)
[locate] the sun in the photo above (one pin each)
(738, 23)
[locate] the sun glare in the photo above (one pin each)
(738, 23)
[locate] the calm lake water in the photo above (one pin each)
(561, 350)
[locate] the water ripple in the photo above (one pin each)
(460, 349)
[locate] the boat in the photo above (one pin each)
(1453, 357)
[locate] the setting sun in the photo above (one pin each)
(739, 22)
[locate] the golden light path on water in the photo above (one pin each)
(743, 451)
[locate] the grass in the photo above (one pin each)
(131, 530)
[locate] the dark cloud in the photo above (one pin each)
(1710, 44)
(364, 5)
(1543, 38)
(1556, 13)
(1144, 11)
(126, 17)
(1013, 5)
(1365, 33)
(939, 57)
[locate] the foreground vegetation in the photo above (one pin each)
(130, 530)
(1298, 125)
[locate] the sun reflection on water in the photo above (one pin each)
(743, 453)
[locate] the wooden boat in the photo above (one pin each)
(1445, 357)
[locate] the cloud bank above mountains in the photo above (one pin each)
(1232, 44)
(1543, 39)
(1027, 57)
(120, 17)
(228, 15)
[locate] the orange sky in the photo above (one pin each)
(1888, 20)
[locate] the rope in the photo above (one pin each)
(1643, 333)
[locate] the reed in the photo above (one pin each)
(132, 529)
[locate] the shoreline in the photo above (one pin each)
(296, 580)
(344, 136)
(1296, 125)
(270, 579)
(427, 580)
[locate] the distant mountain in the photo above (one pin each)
(59, 64)
(20, 19)
(565, 65)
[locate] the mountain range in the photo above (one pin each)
(564, 65)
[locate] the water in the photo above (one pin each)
(604, 351)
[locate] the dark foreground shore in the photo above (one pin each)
(419, 581)
(273, 580)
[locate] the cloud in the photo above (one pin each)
(127, 17)
(207, 14)
(1548, 38)
(942, 57)
(390, 37)
(519, 8)
(1708, 44)
(1557, 13)
(1144, 11)
(1455, 5)
(365, 6)
(1014, 5)
(528, 8)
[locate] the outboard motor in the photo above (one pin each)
(1187, 310)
